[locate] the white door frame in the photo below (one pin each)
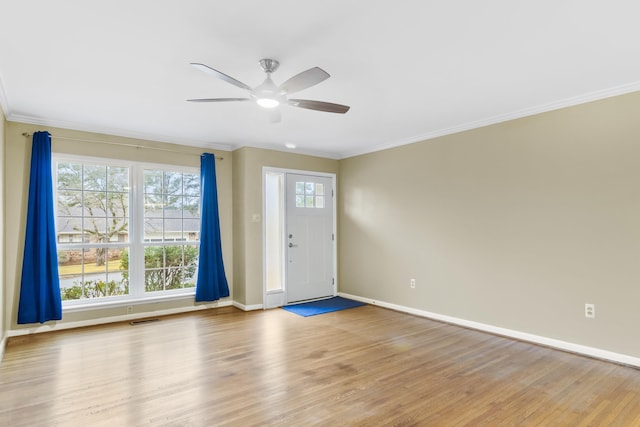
(273, 299)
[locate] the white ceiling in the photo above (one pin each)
(409, 69)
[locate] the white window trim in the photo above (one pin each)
(136, 242)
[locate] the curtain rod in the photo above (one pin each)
(28, 134)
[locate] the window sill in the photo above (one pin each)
(125, 302)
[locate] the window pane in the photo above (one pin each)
(191, 184)
(92, 273)
(69, 176)
(117, 179)
(190, 279)
(190, 265)
(153, 206)
(191, 206)
(118, 204)
(173, 278)
(154, 280)
(172, 229)
(70, 270)
(299, 187)
(95, 177)
(172, 183)
(320, 189)
(274, 222)
(176, 206)
(173, 256)
(154, 257)
(95, 261)
(175, 261)
(154, 274)
(152, 182)
(66, 227)
(95, 203)
(118, 229)
(309, 201)
(153, 229)
(180, 266)
(173, 207)
(299, 201)
(309, 187)
(95, 230)
(69, 202)
(319, 201)
(191, 229)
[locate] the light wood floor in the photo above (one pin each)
(366, 366)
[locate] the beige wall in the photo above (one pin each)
(515, 225)
(247, 199)
(3, 324)
(239, 226)
(16, 164)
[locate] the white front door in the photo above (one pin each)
(309, 237)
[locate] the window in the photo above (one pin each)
(125, 231)
(274, 225)
(309, 195)
(171, 229)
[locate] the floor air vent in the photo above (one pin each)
(142, 321)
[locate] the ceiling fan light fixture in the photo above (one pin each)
(267, 94)
(268, 102)
(270, 96)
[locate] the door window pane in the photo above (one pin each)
(310, 195)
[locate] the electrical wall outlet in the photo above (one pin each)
(412, 283)
(129, 309)
(590, 311)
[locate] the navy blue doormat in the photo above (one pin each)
(322, 306)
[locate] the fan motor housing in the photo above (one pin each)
(269, 65)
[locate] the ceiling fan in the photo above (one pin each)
(268, 95)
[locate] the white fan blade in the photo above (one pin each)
(304, 80)
(220, 75)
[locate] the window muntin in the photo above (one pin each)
(107, 252)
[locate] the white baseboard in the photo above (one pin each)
(3, 344)
(113, 319)
(523, 336)
(248, 307)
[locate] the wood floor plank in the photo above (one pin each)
(361, 367)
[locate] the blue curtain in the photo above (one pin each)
(212, 282)
(40, 286)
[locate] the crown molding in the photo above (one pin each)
(119, 132)
(4, 103)
(544, 108)
(299, 151)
